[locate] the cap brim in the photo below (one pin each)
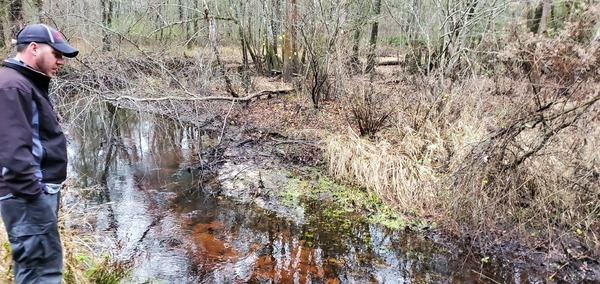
(66, 49)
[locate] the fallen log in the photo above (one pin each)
(193, 98)
(389, 62)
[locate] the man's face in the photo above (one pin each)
(47, 59)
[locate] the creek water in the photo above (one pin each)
(156, 210)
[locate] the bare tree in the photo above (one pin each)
(107, 12)
(271, 15)
(212, 38)
(373, 39)
(196, 20)
(290, 60)
(359, 20)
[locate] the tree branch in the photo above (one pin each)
(177, 98)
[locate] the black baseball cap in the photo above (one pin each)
(42, 33)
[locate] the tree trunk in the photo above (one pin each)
(180, 13)
(271, 59)
(2, 26)
(543, 26)
(458, 36)
(212, 39)
(244, 43)
(354, 60)
(289, 44)
(196, 21)
(188, 26)
(107, 11)
(16, 16)
(373, 40)
(39, 5)
(182, 19)
(534, 16)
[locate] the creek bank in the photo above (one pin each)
(254, 180)
(253, 167)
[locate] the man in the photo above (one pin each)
(33, 154)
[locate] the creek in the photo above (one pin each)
(181, 217)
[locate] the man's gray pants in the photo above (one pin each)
(32, 228)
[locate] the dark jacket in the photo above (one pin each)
(33, 148)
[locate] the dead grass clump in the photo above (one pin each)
(369, 111)
(382, 169)
(408, 164)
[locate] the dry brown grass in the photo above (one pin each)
(444, 158)
(6, 260)
(408, 164)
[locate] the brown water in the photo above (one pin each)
(178, 226)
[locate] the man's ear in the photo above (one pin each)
(34, 48)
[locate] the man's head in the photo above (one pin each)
(43, 47)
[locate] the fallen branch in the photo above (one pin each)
(389, 62)
(190, 98)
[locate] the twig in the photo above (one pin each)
(483, 276)
(303, 142)
(225, 122)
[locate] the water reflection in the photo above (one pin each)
(240, 244)
(177, 233)
(136, 158)
(103, 138)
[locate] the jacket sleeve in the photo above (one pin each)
(16, 158)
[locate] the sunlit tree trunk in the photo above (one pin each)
(373, 40)
(537, 17)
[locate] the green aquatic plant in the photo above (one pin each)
(346, 199)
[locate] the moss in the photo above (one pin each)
(344, 200)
